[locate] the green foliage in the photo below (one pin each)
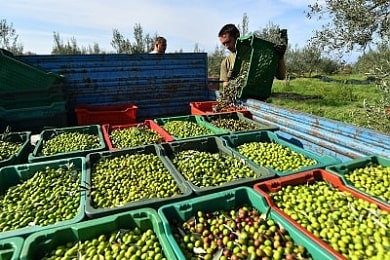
(71, 47)
(9, 38)
(353, 24)
(214, 61)
(142, 44)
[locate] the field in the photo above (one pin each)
(353, 103)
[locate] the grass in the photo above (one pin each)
(334, 100)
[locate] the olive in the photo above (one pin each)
(184, 129)
(354, 227)
(119, 244)
(275, 156)
(134, 136)
(130, 177)
(51, 195)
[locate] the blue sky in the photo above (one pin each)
(183, 23)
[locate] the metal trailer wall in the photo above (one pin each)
(321, 135)
(160, 85)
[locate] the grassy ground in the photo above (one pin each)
(334, 100)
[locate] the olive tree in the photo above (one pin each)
(352, 24)
(142, 44)
(9, 38)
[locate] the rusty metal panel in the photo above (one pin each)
(321, 135)
(160, 85)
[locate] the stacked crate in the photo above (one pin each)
(30, 98)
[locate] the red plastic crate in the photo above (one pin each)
(114, 115)
(206, 108)
(147, 123)
(307, 178)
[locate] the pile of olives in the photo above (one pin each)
(7, 149)
(120, 244)
(234, 125)
(354, 227)
(241, 233)
(70, 142)
(51, 195)
(134, 136)
(184, 129)
(204, 169)
(372, 179)
(130, 177)
(274, 156)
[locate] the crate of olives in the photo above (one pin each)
(10, 248)
(131, 178)
(209, 166)
(14, 147)
(266, 149)
(119, 236)
(42, 195)
(345, 222)
(370, 175)
(66, 142)
(131, 135)
(234, 224)
(202, 108)
(187, 127)
(237, 122)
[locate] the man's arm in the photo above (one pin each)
(281, 69)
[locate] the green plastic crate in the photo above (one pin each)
(11, 248)
(45, 135)
(40, 243)
(16, 75)
(11, 101)
(227, 200)
(94, 158)
(343, 168)
(13, 175)
(256, 61)
(34, 119)
(213, 145)
(191, 118)
(235, 140)
(240, 117)
(21, 156)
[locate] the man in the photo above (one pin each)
(228, 36)
(160, 45)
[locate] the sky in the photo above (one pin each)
(183, 23)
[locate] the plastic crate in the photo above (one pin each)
(34, 119)
(206, 108)
(191, 118)
(113, 114)
(227, 200)
(30, 99)
(240, 117)
(307, 178)
(47, 134)
(94, 158)
(11, 248)
(16, 75)
(256, 61)
(343, 168)
(13, 175)
(40, 243)
(235, 140)
(21, 156)
(147, 123)
(213, 145)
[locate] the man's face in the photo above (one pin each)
(161, 46)
(228, 41)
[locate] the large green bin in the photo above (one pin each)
(256, 61)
